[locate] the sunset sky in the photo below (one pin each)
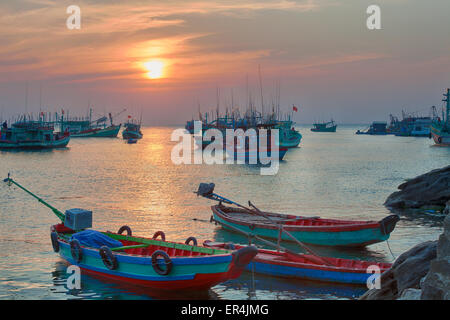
(167, 56)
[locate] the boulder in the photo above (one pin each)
(405, 273)
(436, 285)
(429, 189)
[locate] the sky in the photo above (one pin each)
(169, 58)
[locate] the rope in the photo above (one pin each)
(387, 241)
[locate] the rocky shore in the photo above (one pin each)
(429, 191)
(423, 272)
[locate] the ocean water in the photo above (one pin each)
(335, 175)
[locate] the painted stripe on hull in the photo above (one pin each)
(201, 272)
(62, 143)
(344, 238)
(110, 132)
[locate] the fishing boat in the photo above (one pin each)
(306, 266)
(312, 230)
(86, 128)
(324, 127)
(289, 137)
(376, 128)
(32, 135)
(153, 263)
(440, 128)
(132, 129)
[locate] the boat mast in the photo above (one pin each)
(447, 99)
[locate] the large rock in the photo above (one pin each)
(429, 189)
(405, 273)
(422, 272)
(436, 285)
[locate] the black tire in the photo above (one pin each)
(55, 243)
(159, 233)
(167, 262)
(109, 259)
(75, 249)
(125, 228)
(193, 239)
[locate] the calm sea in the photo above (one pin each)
(335, 175)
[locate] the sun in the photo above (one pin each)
(155, 69)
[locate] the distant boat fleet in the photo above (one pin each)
(289, 137)
(49, 132)
(434, 126)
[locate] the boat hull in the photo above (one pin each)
(330, 129)
(280, 264)
(131, 135)
(35, 145)
(292, 142)
(109, 132)
(344, 235)
(439, 138)
(188, 273)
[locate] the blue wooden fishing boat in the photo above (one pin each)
(149, 262)
(305, 266)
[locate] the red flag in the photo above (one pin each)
(129, 117)
(294, 108)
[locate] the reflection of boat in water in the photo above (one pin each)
(324, 127)
(131, 141)
(440, 128)
(376, 128)
(32, 135)
(303, 266)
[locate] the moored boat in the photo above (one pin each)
(132, 129)
(312, 230)
(86, 128)
(376, 128)
(32, 135)
(440, 128)
(149, 262)
(324, 127)
(304, 266)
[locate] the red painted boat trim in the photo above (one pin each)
(341, 225)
